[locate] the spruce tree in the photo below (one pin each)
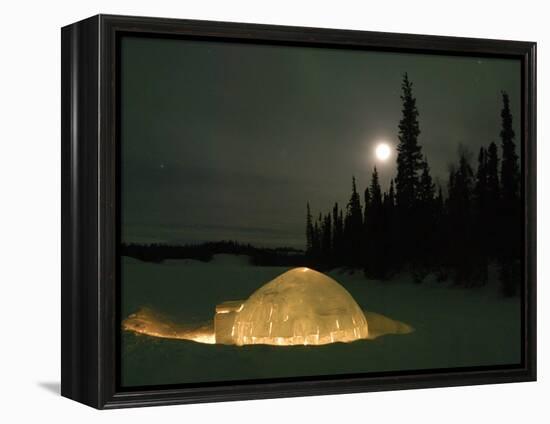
(409, 165)
(441, 236)
(326, 238)
(481, 186)
(373, 262)
(510, 176)
(481, 217)
(389, 235)
(309, 231)
(341, 237)
(426, 187)
(367, 205)
(391, 194)
(461, 183)
(316, 241)
(354, 227)
(493, 201)
(493, 180)
(366, 244)
(409, 156)
(439, 201)
(424, 222)
(510, 249)
(337, 234)
(481, 174)
(375, 190)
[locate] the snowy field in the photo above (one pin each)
(454, 327)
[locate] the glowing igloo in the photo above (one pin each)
(299, 307)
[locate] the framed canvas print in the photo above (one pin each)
(255, 211)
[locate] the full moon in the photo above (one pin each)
(383, 151)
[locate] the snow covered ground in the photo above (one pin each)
(454, 327)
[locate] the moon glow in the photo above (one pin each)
(382, 151)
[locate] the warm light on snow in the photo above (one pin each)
(147, 322)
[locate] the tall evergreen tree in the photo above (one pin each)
(409, 156)
(422, 255)
(481, 217)
(391, 194)
(309, 231)
(337, 233)
(326, 238)
(367, 205)
(426, 187)
(353, 227)
(375, 190)
(493, 202)
(341, 236)
(481, 175)
(439, 201)
(389, 234)
(510, 204)
(409, 165)
(461, 182)
(366, 244)
(510, 176)
(374, 261)
(316, 241)
(441, 237)
(492, 171)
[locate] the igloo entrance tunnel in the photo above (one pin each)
(299, 307)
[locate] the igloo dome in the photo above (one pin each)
(299, 307)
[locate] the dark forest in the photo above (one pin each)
(414, 227)
(455, 232)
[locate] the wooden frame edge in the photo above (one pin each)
(88, 208)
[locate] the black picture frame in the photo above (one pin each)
(90, 216)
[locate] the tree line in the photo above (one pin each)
(204, 252)
(417, 226)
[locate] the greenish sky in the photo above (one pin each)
(229, 141)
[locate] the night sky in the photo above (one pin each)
(227, 141)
